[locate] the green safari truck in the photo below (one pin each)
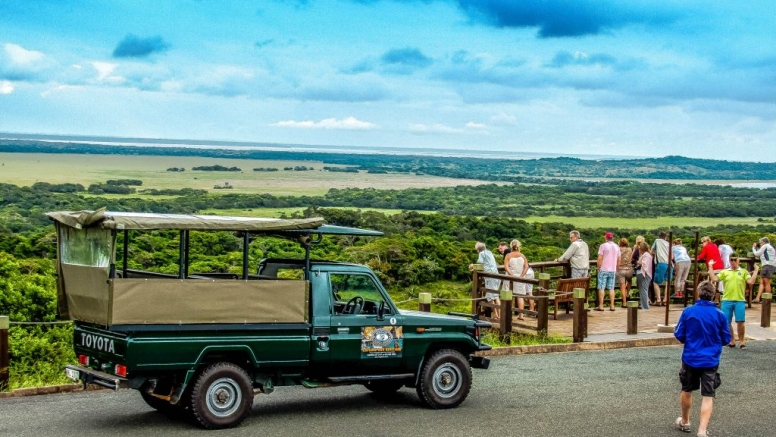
(207, 343)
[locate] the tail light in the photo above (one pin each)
(83, 360)
(120, 370)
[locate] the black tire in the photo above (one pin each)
(384, 388)
(222, 396)
(445, 379)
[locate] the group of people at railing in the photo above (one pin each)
(617, 264)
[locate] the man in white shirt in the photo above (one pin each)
(578, 255)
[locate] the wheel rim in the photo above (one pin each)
(447, 380)
(223, 397)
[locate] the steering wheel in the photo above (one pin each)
(354, 305)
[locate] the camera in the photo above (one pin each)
(757, 245)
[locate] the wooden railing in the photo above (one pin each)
(552, 271)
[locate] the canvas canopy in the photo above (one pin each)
(151, 221)
(88, 291)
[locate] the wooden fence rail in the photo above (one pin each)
(543, 301)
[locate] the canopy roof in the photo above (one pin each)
(150, 221)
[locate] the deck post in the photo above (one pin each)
(765, 311)
(475, 292)
(633, 318)
(580, 315)
(424, 302)
(542, 311)
(544, 280)
(543, 304)
(5, 363)
(505, 321)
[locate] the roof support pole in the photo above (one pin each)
(246, 247)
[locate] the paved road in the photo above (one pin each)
(625, 392)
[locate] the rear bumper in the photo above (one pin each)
(91, 376)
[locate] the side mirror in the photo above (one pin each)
(381, 311)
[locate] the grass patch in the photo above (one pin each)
(493, 338)
(24, 169)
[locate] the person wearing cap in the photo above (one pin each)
(660, 253)
(733, 302)
(608, 258)
(703, 330)
(578, 255)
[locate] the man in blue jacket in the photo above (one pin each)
(703, 329)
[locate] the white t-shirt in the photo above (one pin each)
(724, 252)
(660, 246)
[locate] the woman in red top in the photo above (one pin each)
(709, 252)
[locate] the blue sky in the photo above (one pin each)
(641, 78)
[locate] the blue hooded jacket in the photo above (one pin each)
(703, 329)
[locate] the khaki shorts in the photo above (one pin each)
(624, 276)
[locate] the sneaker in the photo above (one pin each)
(684, 427)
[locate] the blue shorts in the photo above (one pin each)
(660, 273)
(737, 307)
(606, 280)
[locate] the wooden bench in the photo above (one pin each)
(565, 292)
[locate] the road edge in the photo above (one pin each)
(578, 347)
(501, 351)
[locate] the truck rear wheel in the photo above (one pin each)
(222, 396)
(445, 379)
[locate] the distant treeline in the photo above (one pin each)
(669, 167)
(564, 198)
(215, 168)
(341, 169)
(120, 186)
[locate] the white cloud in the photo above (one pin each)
(104, 69)
(349, 123)
(420, 128)
(476, 126)
(504, 119)
(6, 87)
(21, 56)
(60, 89)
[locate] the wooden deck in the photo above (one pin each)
(611, 322)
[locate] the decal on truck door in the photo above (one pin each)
(381, 341)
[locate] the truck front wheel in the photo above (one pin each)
(222, 396)
(445, 379)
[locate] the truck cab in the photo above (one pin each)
(205, 342)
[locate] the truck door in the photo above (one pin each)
(360, 343)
